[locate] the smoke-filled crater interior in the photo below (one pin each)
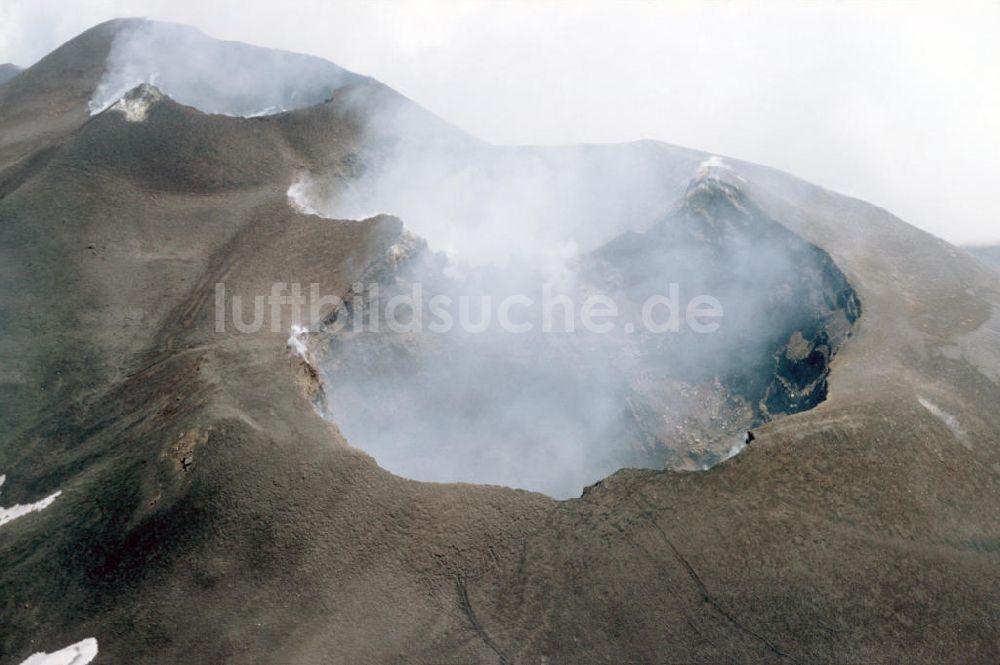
(553, 410)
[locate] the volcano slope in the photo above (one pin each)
(208, 513)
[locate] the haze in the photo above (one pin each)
(896, 103)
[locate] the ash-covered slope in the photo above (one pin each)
(208, 513)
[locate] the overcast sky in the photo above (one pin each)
(896, 103)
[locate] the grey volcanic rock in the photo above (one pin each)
(208, 513)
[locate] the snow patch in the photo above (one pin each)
(15, 511)
(270, 110)
(80, 653)
(950, 421)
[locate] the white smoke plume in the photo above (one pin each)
(229, 78)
